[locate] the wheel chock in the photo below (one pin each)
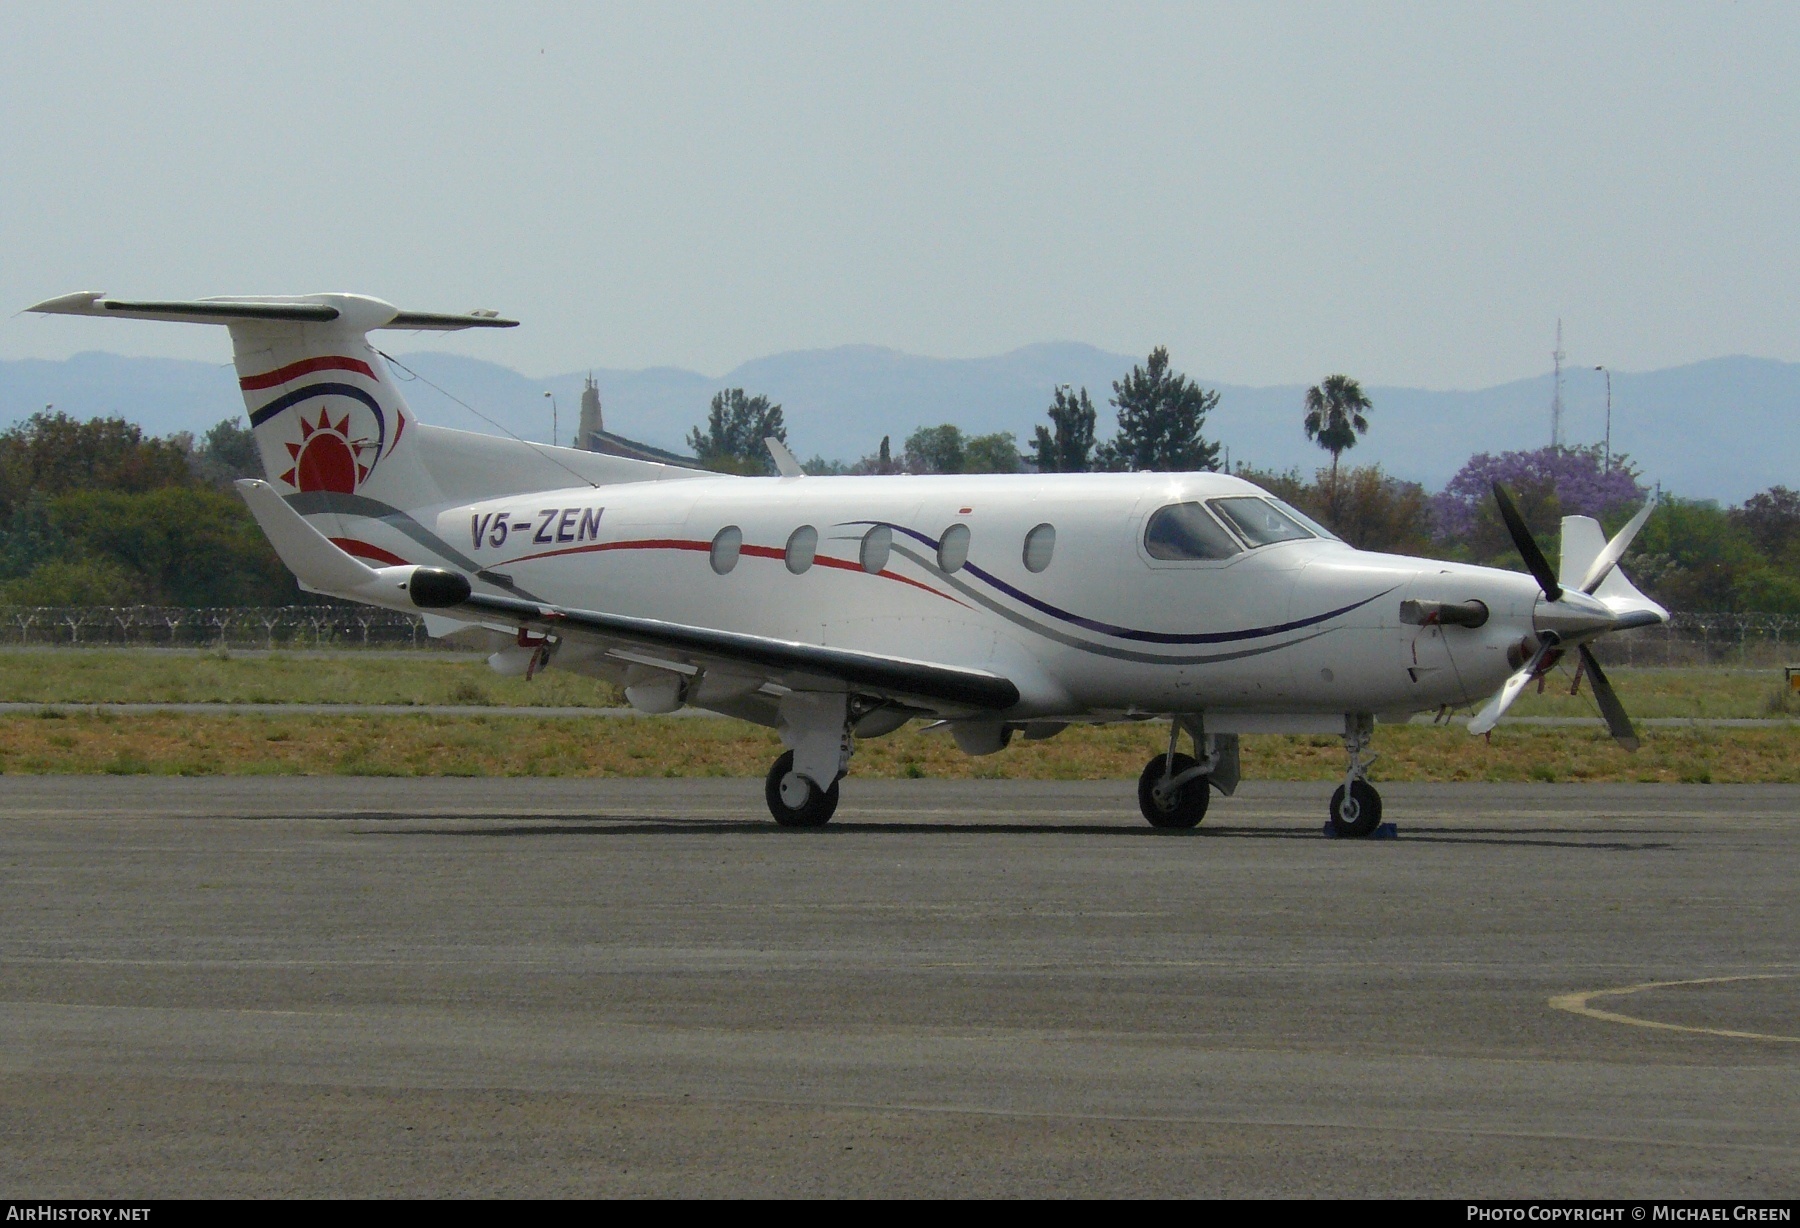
(1383, 831)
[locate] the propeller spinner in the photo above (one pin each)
(1567, 617)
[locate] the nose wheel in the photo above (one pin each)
(796, 801)
(1355, 811)
(1356, 807)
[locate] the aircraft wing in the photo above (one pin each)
(802, 667)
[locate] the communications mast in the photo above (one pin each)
(1556, 357)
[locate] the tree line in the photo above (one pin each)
(1692, 555)
(98, 513)
(1161, 416)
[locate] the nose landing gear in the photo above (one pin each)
(1356, 806)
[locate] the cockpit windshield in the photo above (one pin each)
(1183, 532)
(1259, 522)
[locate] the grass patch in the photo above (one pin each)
(123, 675)
(103, 675)
(427, 745)
(1703, 692)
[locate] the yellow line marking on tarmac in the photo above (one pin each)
(1577, 1004)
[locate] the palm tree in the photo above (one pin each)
(1335, 412)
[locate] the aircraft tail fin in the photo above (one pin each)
(334, 432)
(324, 410)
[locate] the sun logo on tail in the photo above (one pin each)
(326, 458)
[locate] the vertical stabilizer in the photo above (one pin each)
(328, 420)
(334, 434)
(337, 440)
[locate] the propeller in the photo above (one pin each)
(1578, 618)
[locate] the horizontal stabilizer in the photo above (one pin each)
(356, 309)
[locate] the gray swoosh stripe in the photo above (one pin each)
(1103, 650)
(309, 502)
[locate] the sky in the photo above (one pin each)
(1412, 194)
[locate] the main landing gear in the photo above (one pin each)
(796, 801)
(1174, 789)
(817, 728)
(1356, 807)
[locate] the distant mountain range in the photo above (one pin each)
(1720, 429)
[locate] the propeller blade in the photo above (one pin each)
(1535, 562)
(1610, 707)
(1616, 548)
(1490, 715)
(1496, 707)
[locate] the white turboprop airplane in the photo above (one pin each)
(840, 608)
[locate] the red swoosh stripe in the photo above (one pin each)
(675, 543)
(363, 550)
(306, 366)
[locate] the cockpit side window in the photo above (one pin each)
(1318, 529)
(1258, 521)
(1184, 532)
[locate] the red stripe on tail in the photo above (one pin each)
(306, 366)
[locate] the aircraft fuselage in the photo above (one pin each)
(1091, 624)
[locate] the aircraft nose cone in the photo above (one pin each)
(1576, 614)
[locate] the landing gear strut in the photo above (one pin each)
(1356, 807)
(1174, 789)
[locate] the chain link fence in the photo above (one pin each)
(1741, 640)
(1755, 641)
(142, 626)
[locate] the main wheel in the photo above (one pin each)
(1359, 814)
(796, 801)
(1185, 807)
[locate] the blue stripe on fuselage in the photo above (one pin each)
(1128, 633)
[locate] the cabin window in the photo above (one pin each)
(1040, 544)
(876, 544)
(726, 546)
(1259, 522)
(953, 547)
(802, 545)
(1184, 533)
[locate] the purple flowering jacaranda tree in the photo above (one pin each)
(1578, 479)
